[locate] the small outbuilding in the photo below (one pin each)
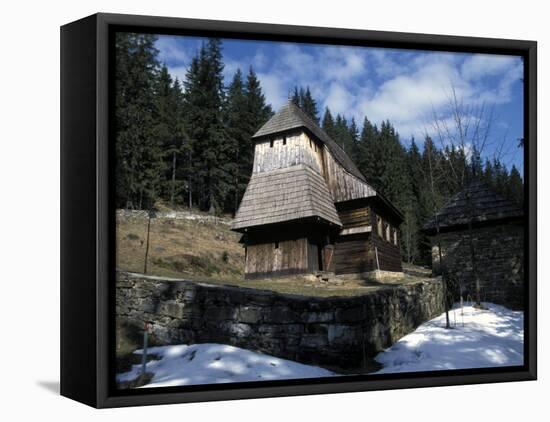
(307, 207)
(496, 227)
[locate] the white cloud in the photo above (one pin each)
(480, 66)
(402, 86)
(339, 99)
(274, 89)
(171, 52)
(178, 72)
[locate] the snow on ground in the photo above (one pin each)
(488, 338)
(217, 363)
(479, 338)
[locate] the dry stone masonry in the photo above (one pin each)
(340, 333)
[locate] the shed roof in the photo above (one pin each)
(486, 206)
(284, 195)
(290, 117)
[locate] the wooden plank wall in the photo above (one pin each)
(353, 254)
(389, 254)
(290, 256)
(342, 185)
(312, 257)
(299, 149)
(355, 217)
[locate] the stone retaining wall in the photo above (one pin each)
(340, 333)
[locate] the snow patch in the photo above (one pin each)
(478, 339)
(216, 363)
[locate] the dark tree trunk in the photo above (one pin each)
(172, 195)
(147, 244)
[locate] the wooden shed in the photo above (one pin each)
(307, 207)
(480, 220)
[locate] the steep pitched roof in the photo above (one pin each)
(483, 205)
(292, 117)
(282, 195)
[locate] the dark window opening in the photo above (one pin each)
(271, 143)
(310, 143)
(276, 245)
(284, 140)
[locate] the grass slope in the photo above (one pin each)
(200, 249)
(192, 249)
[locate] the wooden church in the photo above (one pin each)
(307, 208)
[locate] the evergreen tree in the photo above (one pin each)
(342, 134)
(259, 111)
(370, 160)
(296, 97)
(354, 140)
(309, 105)
(139, 163)
(410, 230)
(204, 101)
(515, 186)
(328, 123)
(303, 99)
(500, 177)
(169, 132)
(238, 135)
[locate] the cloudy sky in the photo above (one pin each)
(404, 86)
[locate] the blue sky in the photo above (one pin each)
(405, 86)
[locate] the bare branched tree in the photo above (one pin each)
(466, 128)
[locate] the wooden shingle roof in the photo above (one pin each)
(291, 117)
(284, 195)
(478, 202)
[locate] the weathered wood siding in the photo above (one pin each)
(312, 256)
(273, 154)
(389, 254)
(343, 185)
(266, 259)
(353, 254)
(355, 217)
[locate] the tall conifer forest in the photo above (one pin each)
(187, 143)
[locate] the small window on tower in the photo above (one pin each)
(276, 245)
(310, 143)
(284, 140)
(271, 143)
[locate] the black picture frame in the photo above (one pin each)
(87, 220)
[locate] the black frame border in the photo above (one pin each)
(100, 390)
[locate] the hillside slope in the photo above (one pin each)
(181, 245)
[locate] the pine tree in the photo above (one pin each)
(169, 132)
(411, 236)
(500, 178)
(309, 105)
(342, 134)
(515, 186)
(370, 160)
(204, 101)
(328, 123)
(138, 168)
(246, 111)
(259, 111)
(302, 98)
(238, 134)
(296, 97)
(354, 140)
